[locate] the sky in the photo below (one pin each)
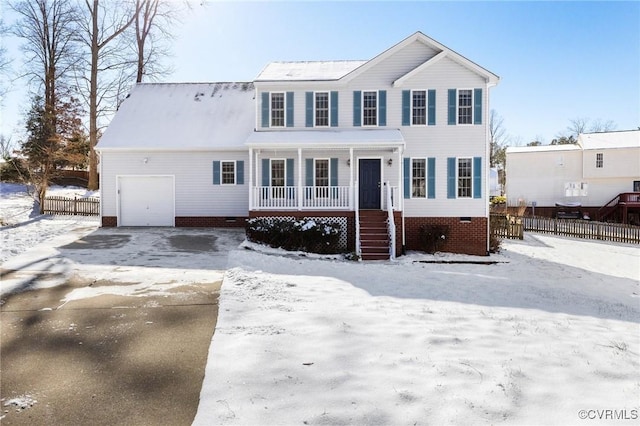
(557, 61)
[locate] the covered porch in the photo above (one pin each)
(321, 170)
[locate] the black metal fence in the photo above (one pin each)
(72, 206)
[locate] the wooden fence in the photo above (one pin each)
(72, 206)
(506, 226)
(583, 229)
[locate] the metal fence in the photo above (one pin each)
(583, 229)
(72, 206)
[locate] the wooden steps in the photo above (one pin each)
(374, 235)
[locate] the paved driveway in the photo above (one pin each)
(110, 325)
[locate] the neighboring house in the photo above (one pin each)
(401, 139)
(599, 176)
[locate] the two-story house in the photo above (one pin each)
(382, 146)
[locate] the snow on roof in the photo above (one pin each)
(543, 148)
(621, 139)
(307, 71)
(183, 116)
(326, 138)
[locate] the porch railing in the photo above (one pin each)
(390, 219)
(306, 197)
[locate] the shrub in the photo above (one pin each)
(313, 236)
(432, 237)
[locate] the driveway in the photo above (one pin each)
(110, 325)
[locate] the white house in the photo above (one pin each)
(602, 169)
(401, 139)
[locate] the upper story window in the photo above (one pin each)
(418, 178)
(419, 107)
(369, 108)
(228, 172)
(599, 160)
(277, 110)
(465, 106)
(464, 177)
(322, 109)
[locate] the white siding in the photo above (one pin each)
(617, 163)
(440, 141)
(195, 194)
(541, 176)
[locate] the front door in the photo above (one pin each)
(369, 181)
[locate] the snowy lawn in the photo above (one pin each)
(22, 227)
(550, 330)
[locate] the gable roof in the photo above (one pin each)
(347, 70)
(603, 140)
(307, 70)
(196, 116)
(420, 37)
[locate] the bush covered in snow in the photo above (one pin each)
(432, 237)
(313, 236)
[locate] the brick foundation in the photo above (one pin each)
(210, 222)
(192, 222)
(465, 236)
(109, 221)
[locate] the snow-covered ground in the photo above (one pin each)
(549, 334)
(22, 225)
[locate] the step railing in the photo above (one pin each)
(390, 221)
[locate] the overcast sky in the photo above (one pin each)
(557, 60)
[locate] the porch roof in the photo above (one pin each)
(331, 139)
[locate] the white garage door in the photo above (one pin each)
(146, 201)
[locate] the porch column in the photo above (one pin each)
(256, 175)
(299, 179)
(400, 194)
(351, 188)
(250, 179)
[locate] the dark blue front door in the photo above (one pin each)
(369, 181)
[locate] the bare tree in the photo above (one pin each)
(48, 29)
(152, 29)
(584, 125)
(108, 64)
(498, 139)
(5, 60)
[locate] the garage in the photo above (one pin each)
(146, 200)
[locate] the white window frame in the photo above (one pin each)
(599, 160)
(315, 109)
(426, 107)
(412, 159)
(458, 107)
(377, 92)
(284, 109)
(235, 172)
(470, 177)
(321, 191)
(276, 190)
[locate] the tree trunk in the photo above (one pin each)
(93, 102)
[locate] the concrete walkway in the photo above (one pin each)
(111, 327)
